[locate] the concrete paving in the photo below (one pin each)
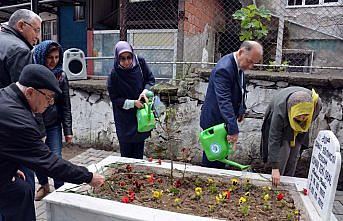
(92, 156)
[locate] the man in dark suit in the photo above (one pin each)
(225, 96)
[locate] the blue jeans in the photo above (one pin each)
(211, 164)
(54, 142)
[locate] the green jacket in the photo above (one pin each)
(276, 127)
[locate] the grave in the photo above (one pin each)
(324, 173)
(316, 206)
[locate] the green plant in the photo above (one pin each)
(245, 209)
(273, 68)
(252, 22)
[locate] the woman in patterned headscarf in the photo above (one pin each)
(286, 127)
(57, 116)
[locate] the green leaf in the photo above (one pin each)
(252, 7)
(256, 23)
(245, 35)
(264, 13)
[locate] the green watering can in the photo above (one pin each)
(213, 141)
(145, 115)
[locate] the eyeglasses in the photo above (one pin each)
(122, 58)
(36, 30)
(49, 98)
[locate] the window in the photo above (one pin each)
(46, 30)
(49, 30)
(312, 2)
(79, 12)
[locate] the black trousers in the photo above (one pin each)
(132, 150)
(211, 164)
(16, 201)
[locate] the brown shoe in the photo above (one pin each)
(42, 192)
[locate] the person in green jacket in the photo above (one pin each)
(286, 127)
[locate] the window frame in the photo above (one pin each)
(320, 4)
(77, 15)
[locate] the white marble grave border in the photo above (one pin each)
(72, 207)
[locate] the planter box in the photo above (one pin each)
(63, 206)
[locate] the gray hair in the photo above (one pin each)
(249, 45)
(298, 97)
(24, 15)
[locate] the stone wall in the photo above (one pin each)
(93, 119)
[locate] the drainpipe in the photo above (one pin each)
(180, 37)
(34, 6)
(90, 36)
(278, 54)
(123, 18)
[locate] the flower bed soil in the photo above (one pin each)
(196, 194)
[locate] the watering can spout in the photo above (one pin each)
(234, 164)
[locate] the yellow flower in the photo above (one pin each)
(157, 194)
(177, 200)
(219, 198)
(267, 188)
(266, 197)
(198, 191)
(210, 180)
(242, 200)
(234, 181)
(247, 194)
(296, 212)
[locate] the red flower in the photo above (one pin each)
(122, 183)
(138, 184)
(125, 199)
(129, 168)
(151, 178)
(228, 195)
(159, 161)
(150, 159)
(305, 191)
(129, 176)
(131, 195)
(177, 183)
(280, 196)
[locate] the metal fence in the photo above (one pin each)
(297, 35)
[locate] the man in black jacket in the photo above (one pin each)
(21, 143)
(17, 40)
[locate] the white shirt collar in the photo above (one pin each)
(234, 56)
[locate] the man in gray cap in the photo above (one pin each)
(21, 143)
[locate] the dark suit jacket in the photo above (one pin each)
(224, 100)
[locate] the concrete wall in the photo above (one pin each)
(93, 119)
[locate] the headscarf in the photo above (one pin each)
(301, 103)
(121, 47)
(41, 51)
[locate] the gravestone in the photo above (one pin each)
(324, 172)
